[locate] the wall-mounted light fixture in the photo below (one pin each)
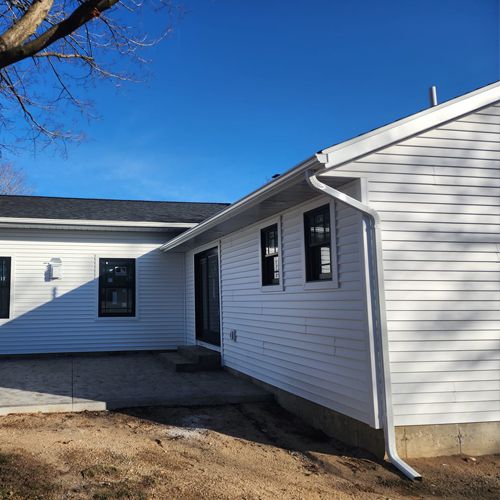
(55, 268)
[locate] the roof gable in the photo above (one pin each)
(407, 127)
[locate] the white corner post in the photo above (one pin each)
(371, 222)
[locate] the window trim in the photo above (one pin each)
(274, 257)
(263, 225)
(321, 284)
(11, 287)
(314, 261)
(98, 295)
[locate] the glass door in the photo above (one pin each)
(207, 296)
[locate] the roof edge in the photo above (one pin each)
(243, 203)
(125, 200)
(397, 131)
(8, 221)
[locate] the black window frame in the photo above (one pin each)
(121, 284)
(5, 284)
(270, 261)
(313, 249)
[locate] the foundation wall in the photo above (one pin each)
(480, 438)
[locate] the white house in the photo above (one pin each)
(362, 286)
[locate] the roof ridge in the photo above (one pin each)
(110, 199)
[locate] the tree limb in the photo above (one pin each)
(81, 15)
(27, 25)
(50, 48)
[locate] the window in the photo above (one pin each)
(318, 244)
(270, 255)
(116, 287)
(4, 287)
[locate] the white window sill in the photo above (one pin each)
(321, 285)
(116, 318)
(272, 288)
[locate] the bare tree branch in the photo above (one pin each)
(52, 50)
(26, 26)
(85, 12)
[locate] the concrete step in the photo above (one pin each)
(206, 358)
(178, 363)
(192, 359)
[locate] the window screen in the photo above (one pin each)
(5, 264)
(318, 244)
(116, 287)
(270, 255)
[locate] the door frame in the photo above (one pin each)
(205, 248)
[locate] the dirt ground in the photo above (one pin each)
(241, 451)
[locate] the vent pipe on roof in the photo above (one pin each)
(433, 96)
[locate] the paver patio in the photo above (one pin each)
(101, 382)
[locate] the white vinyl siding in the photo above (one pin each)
(310, 342)
(438, 195)
(49, 316)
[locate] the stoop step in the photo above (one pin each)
(206, 358)
(192, 359)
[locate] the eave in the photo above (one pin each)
(89, 224)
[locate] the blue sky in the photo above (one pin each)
(247, 89)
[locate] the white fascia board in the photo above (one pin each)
(11, 221)
(407, 127)
(244, 203)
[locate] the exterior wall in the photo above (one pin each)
(61, 315)
(310, 341)
(438, 195)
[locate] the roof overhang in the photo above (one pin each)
(88, 224)
(273, 197)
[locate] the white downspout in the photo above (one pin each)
(376, 272)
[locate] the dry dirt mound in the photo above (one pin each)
(240, 451)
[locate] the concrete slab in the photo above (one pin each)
(97, 382)
(30, 382)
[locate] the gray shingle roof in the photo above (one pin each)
(41, 207)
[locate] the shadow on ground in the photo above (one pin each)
(264, 423)
(251, 451)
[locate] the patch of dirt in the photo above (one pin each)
(255, 451)
(23, 477)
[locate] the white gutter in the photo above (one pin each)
(376, 272)
(32, 221)
(244, 203)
